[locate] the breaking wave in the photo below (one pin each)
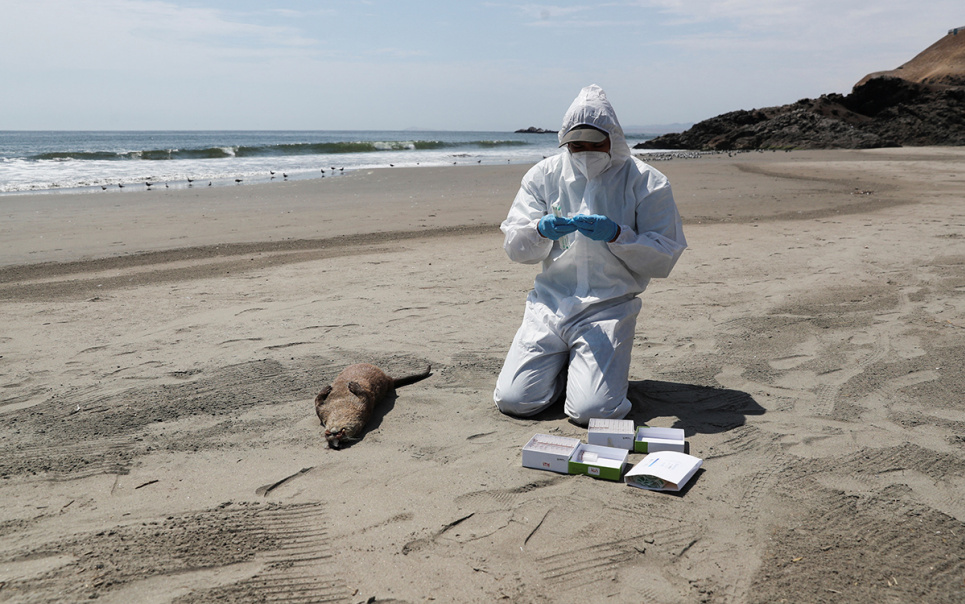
(275, 150)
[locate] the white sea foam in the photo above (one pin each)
(53, 162)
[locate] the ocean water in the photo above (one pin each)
(75, 161)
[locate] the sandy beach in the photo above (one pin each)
(160, 352)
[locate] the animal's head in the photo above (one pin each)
(345, 421)
(339, 428)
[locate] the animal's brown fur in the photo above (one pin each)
(345, 406)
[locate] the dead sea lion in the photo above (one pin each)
(345, 406)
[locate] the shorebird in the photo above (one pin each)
(272, 172)
(104, 187)
(238, 180)
(120, 186)
(148, 184)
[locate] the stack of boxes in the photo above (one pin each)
(605, 454)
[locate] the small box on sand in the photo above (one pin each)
(611, 433)
(598, 461)
(548, 452)
(651, 440)
(569, 456)
(663, 471)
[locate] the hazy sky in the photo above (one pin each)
(447, 65)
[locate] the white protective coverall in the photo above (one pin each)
(580, 317)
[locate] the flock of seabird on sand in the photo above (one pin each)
(271, 173)
(148, 184)
(649, 157)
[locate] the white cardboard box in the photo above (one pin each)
(611, 433)
(652, 440)
(663, 471)
(598, 461)
(548, 452)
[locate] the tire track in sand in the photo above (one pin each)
(298, 571)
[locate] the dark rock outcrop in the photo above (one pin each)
(535, 130)
(883, 110)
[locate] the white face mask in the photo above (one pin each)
(591, 163)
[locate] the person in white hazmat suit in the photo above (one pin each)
(603, 223)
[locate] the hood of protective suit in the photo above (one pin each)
(592, 108)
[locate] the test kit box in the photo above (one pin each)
(598, 461)
(652, 440)
(569, 456)
(548, 452)
(663, 471)
(612, 433)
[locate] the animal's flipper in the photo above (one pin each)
(412, 379)
(356, 389)
(320, 410)
(323, 394)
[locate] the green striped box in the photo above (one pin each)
(651, 440)
(598, 461)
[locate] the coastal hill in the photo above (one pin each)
(920, 103)
(941, 63)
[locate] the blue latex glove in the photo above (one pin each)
(596, 227)
(554, 227)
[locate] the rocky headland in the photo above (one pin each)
(920, 103)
